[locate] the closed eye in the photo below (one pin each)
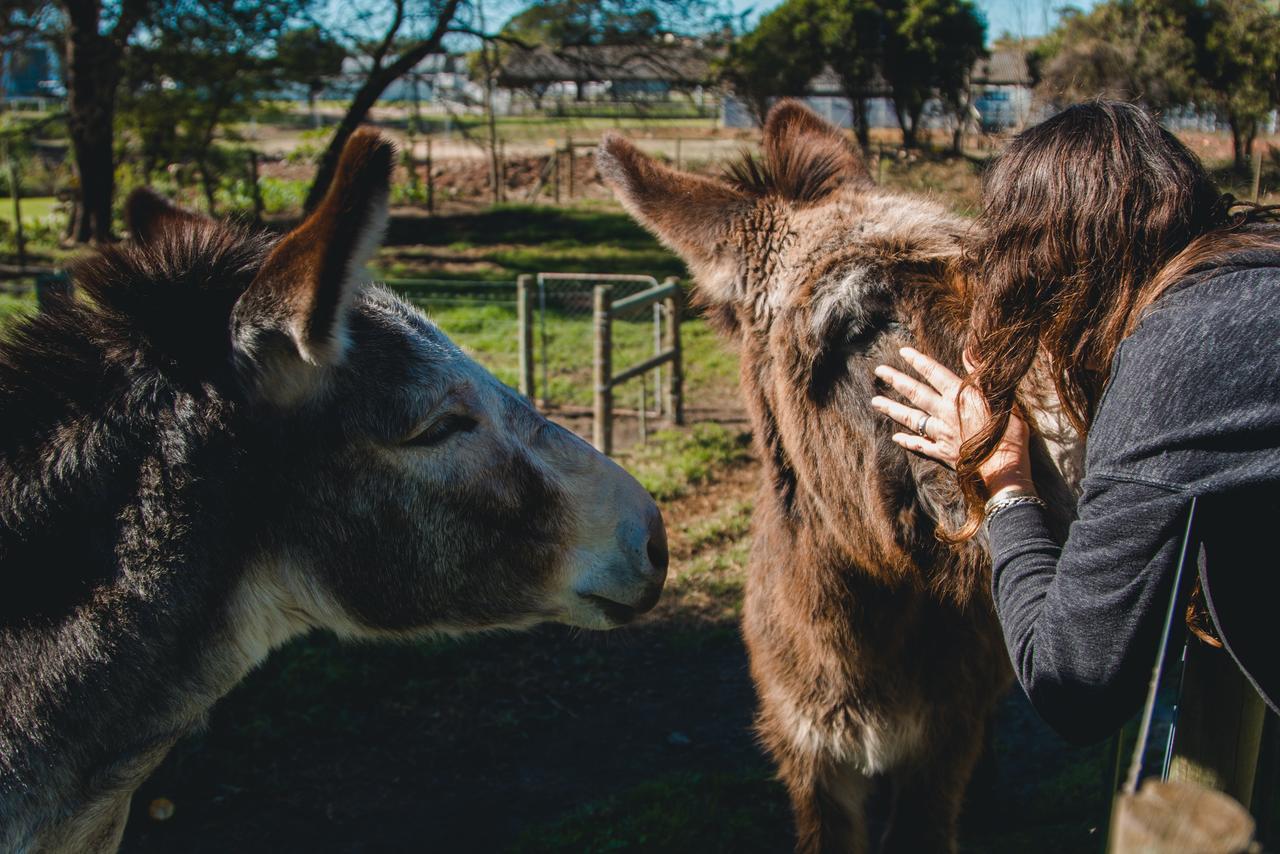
(440, 430)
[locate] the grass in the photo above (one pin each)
(683, 812)
(674, 461)
(13, 307)
(728, 525)
(34, 209)
(500, 244)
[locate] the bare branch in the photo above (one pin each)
(380, 52)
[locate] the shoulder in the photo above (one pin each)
(1195, 383)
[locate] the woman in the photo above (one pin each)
(1110, 260)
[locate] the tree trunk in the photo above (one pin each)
(1243, 133)
(206, 184)
(861, 122)
(368, 95)
(92, 72)
(355, 116)
(908, 121)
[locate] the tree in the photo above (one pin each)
(309, 56)
(1238, 66)
(394, 53)
(779, 57)
(1222, 55)
(920, 49)
(193, 74)
(852, 35)
(1131, 50)
(930, 47)
(94, 48)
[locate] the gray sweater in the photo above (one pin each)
(1192, 408)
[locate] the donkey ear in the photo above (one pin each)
(147, 214)
(798, 139)
(293, 316)
(689, 213)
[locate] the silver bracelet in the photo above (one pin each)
(996, 505)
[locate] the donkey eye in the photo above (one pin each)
(441, 429)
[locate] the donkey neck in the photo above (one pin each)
(92, 700)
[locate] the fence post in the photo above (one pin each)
(15, 192)
(1219, 733)
(659, 336)
(675, 384)
(431, 180)
(557, 156)
(254, 187)
(602, 408)
(568, 145)
(524, 317)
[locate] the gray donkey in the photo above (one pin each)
(231, 441)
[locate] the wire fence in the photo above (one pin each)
(564, 337)
(479, 316)
(483, 318)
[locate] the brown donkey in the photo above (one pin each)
(234, 440)
(874, 646)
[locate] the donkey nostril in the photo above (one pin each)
(657, 546)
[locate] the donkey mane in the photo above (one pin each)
(93, 386)
(798, 165)
(796, 175)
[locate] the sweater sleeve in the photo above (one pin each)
(1082, 621)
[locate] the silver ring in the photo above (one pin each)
(922, 423)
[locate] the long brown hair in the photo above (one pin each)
(1089, 217)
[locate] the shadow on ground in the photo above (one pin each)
(551, 741)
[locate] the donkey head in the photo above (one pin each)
(393, 484)
(818, 276)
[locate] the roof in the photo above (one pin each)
(1004, 67)
(675, 63)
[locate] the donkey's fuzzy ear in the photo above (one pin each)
(301, 295)
(808, 156)
(147, 215)
(689, 213)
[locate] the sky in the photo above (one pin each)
(1023, 18)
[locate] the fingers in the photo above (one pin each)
(903, 414)
(935, 373)
(912, 389)
(923, 446)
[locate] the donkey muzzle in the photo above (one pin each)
(629, 582)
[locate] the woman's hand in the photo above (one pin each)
(943, 414)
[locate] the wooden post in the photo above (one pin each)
(1219, 731)
(644, 411)
(557, 156)
(602, 409)
(524, 317)
(568, 145)
(431, 181)
(1173, 818)
(1257, 170)
(254, 187)
(879, 163)
(15, 192)
(675, 384)
(502, 171)
(658, 337)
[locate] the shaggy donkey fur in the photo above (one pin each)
(874, 646)
(227, 442)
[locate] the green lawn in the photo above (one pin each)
(12, 306)
(34, 209)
